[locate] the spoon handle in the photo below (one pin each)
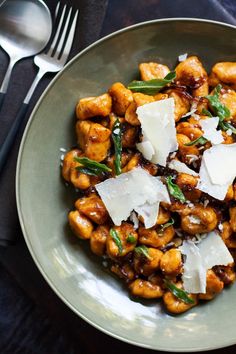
(6, 80)
(8, 142)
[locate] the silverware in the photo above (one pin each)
(52, 60)
(25, 28)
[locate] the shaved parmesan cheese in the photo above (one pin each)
(209, 128)
(135, 190)
(149, 212)
(205, 184)
(220, 162)
(183, 57)
(211, 251)
(194, 219)
(181, 167)
(146, 148)
(218, 170)
(214, 251)
(189, 113)
(134, 219)
(158, 127)
(194, 276)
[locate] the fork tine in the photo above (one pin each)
(70, 38)
(63, 35)
(56, 36)
(57, 8)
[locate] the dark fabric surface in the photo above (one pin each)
(122, 13)
(32, 318)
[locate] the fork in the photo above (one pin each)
(52, 60)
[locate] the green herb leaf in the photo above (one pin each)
(86, 171)
(130, 238)
(225, 126)
(151, 87)
(179, 293)
(174, 190)
(206, 112)
(91, 167)
(218, 108)
(199, 141)
(116, 239)
(142, 251)
(116, 137)
(167, 224)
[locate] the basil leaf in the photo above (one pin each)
(91, 167)
(115, 237)
(218, 108)
(142, 251)
(131, 239)
(199, 141)
(179, 293)
(167, 224)
(174, 190)
(206, 112)
(150, 87)
(116, 137)
(225, 126)
(87, 171)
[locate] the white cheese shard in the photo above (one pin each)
(214, 251)
(181, 168)
(182, 57)
(211, 251)
(194, 219)
(205, 184)
(209, 126)
(146, 148)
(134, 219)
(149, 213)
(189, 113)
(135, 190)
(220, 162)
(158, 127)
(218, 170)
(194, 275)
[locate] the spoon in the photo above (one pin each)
(25, 28)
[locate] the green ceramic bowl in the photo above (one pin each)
(43, 200)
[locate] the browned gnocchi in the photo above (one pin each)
(151, 201)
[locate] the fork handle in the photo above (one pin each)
(8, 142)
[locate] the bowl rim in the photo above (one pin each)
(43, 272)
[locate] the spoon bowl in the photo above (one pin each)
(25, 29)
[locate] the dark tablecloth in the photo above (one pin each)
(32, 318)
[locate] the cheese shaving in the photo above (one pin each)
(220, 162)
(135, 190)
(181, 167)
(209, 252)
(194, 276)
(149, 213)
(218, 170)
(182, 57)
(146, 148)
(205, 184)
(134, 219)
(189, 113)
(158, 127)
(209, 130)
